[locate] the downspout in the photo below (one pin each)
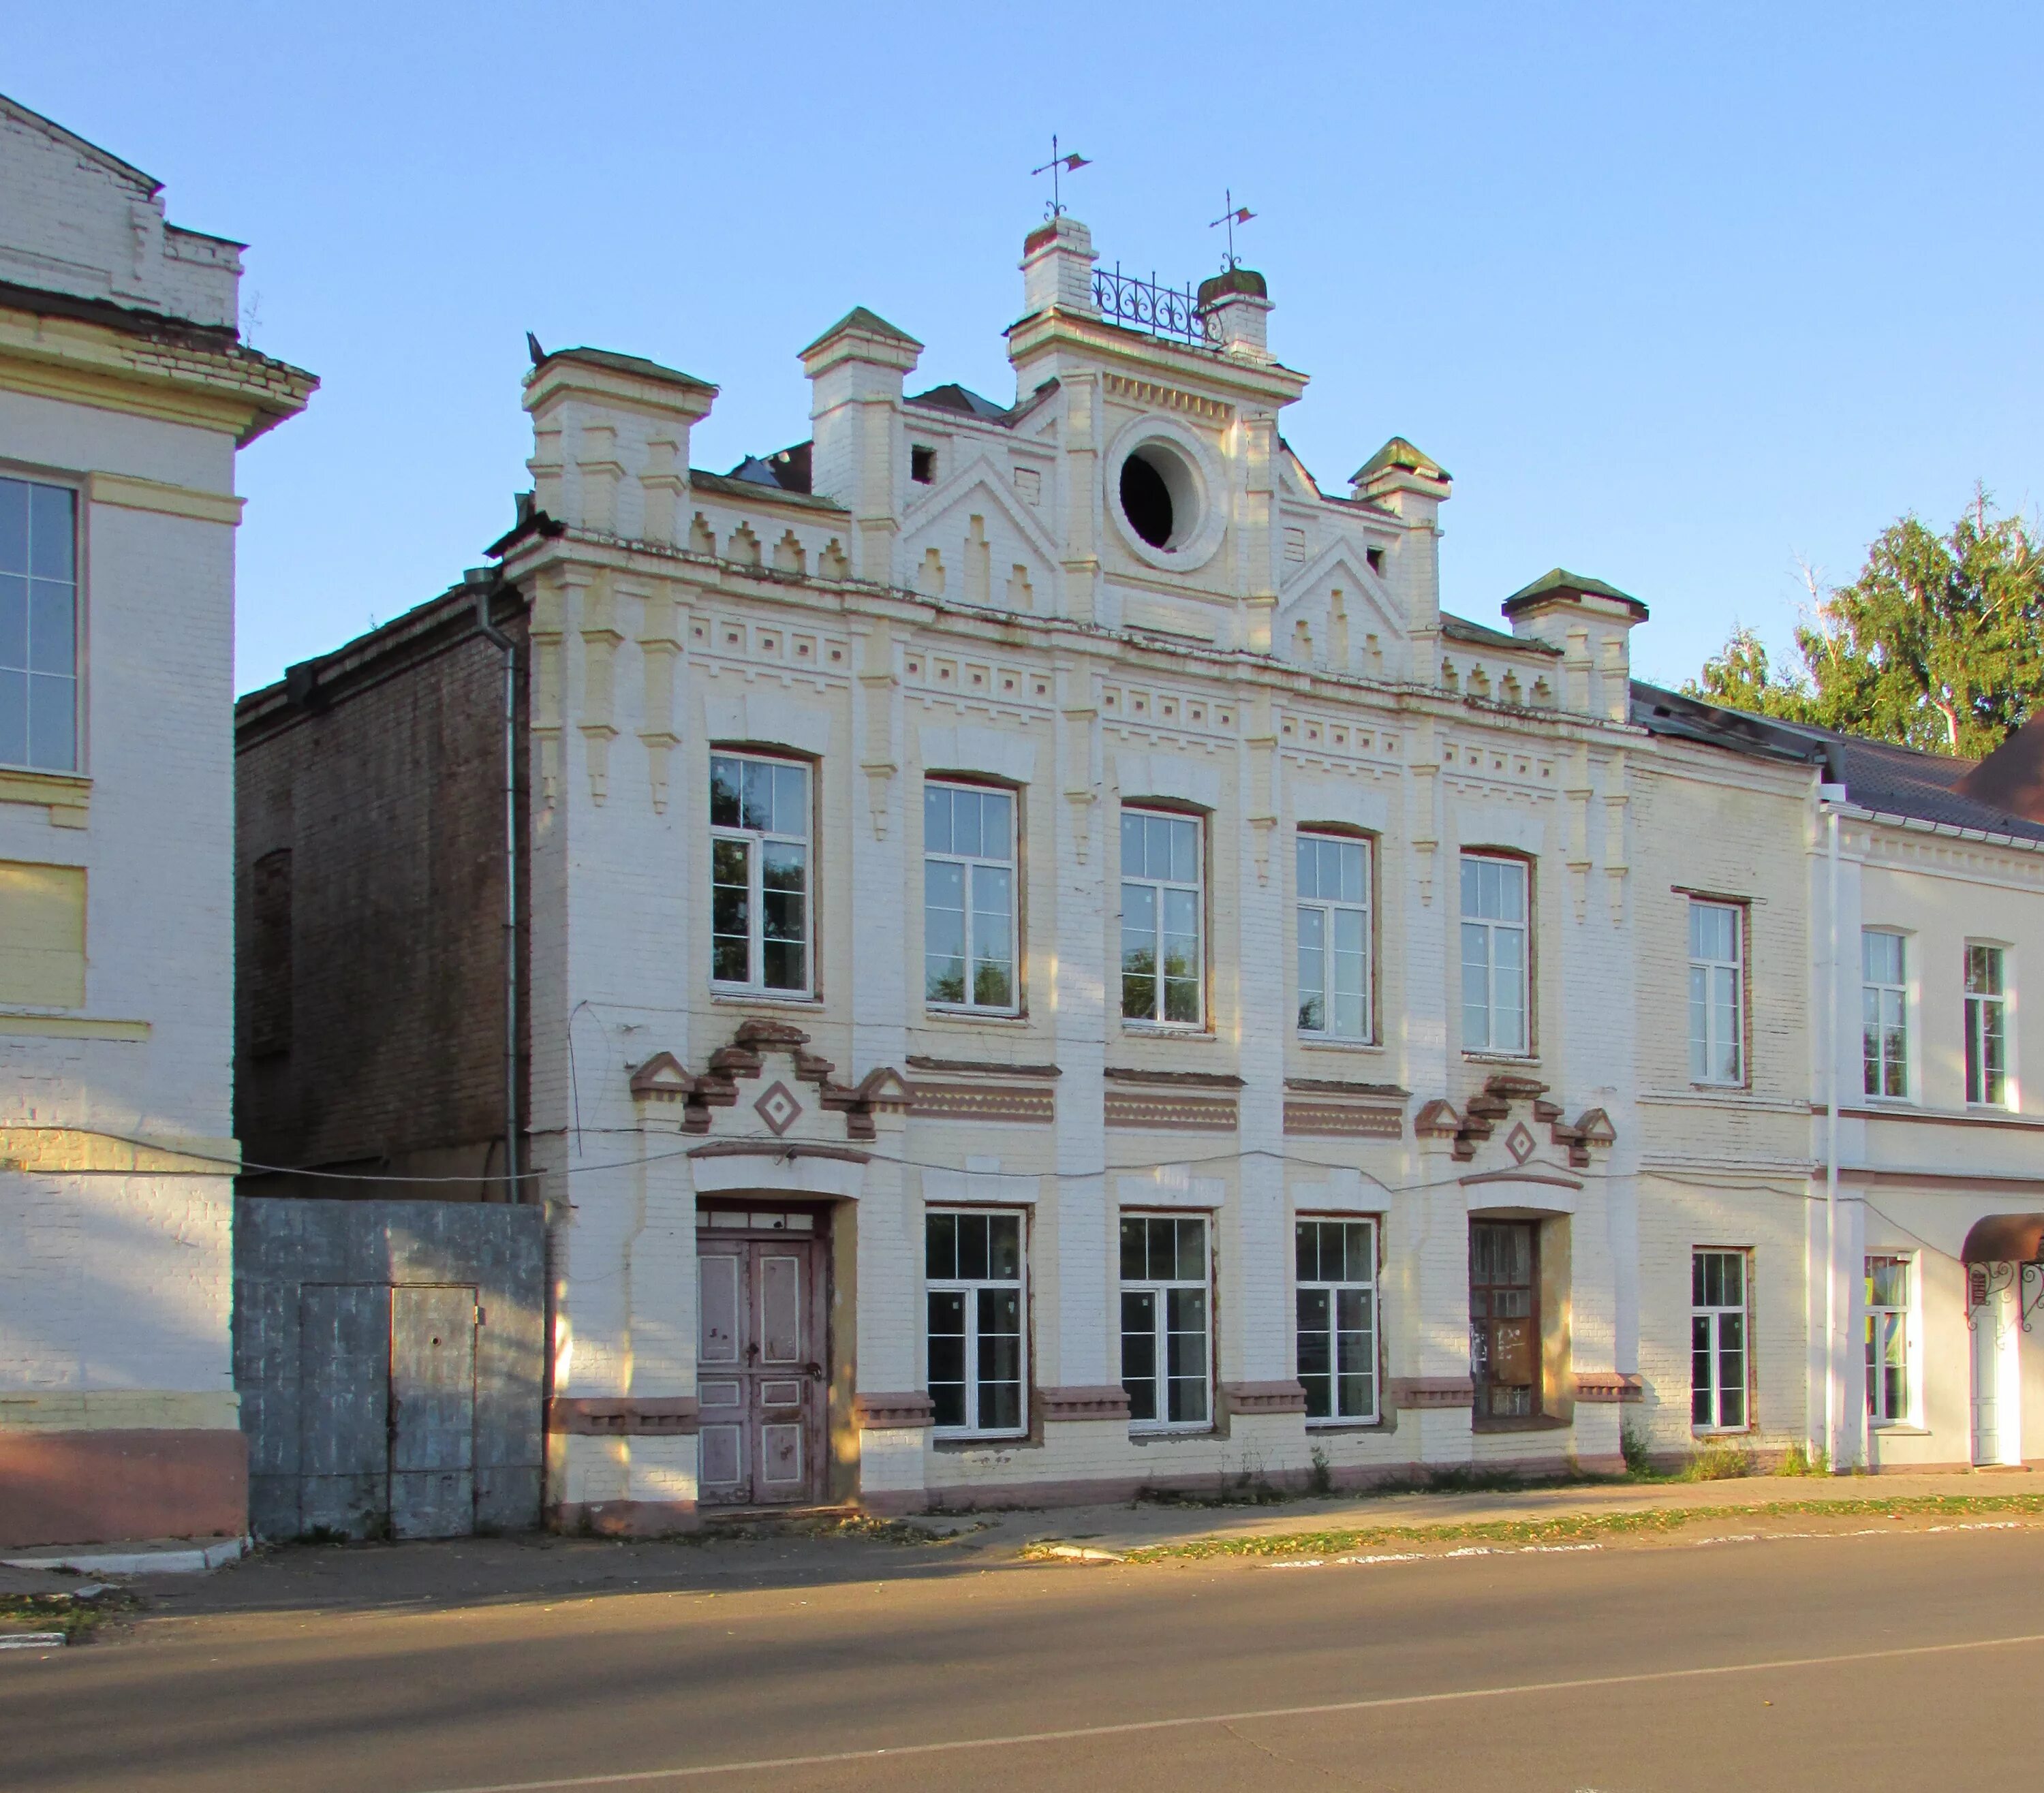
(485, 581)
(1831, 796)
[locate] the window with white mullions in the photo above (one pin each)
(1987, 1028)
(1162, 901)
(1717, 1342)
(1165, 1339)
(759, 817)
(1717, 992)
(1888, 1401)
(1337, 1295)
(969, 897)
(1884, 1013)
(1494, 954)
(974, 1268)
(38, 626)
(1333, 937)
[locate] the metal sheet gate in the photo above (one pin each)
(388, 1358)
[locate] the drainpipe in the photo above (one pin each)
(1829, 796)
(485, 582)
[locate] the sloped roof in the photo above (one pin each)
(953, 396)
(870, 322)
(1461, 628)
(2011, 778)
(1877, 775)
(628, 364)
(1559, 582)
(1400, 455)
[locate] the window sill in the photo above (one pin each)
(1139, 1029)
(1501, 1058)
(1713, 1432)
(962, 1442)
(67, 796)
(1320, 1428)
(1168, 1434)
(1897, 1428)
(1720, 1088)
(977, 1017)
(73, 1027)
(1319, 1043)
(762, 999)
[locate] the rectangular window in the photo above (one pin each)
(1504, 1320)
(969, 897)
(759, 874)
(1166, 1354)
(1494, 955)
(1717, 992)
(1333, 937)
(973, 1266)
(38, 626)
(1887, 1401)
(1717, 1342)
(1987, 1028)
(1884, 1013)
(1162, 920)
(1337, 1314)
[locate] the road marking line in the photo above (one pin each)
(1134, 1727)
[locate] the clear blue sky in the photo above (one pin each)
(1677, 293)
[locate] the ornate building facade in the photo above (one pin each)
(1046, 966)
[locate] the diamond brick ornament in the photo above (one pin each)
(778, 1108)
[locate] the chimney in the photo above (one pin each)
(1239, 303)
(1057, 267)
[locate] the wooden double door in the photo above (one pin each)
(761, 1379)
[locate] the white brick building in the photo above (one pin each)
(872, 783)
(1051, 967)
(125, 392)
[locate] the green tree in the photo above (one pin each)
(1938, 644)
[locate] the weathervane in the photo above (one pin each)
(1233, 216)
(1057, 166)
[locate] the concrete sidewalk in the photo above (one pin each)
(1122, 1528)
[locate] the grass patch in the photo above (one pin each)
(77, 1618)
(1584, 1527)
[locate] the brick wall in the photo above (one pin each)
(384, 782)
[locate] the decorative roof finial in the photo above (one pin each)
(1233, 216)
(1056, 167)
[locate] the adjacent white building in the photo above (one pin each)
(124, 393)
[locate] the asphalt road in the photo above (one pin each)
(1913, 1660)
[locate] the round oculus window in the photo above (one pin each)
(1160, 496)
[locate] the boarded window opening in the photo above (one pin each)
(42, 935)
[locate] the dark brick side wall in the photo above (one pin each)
(385, 1052)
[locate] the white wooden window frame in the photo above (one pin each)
(1158, 892)
(756, 842)
(1983, 1008)
(1885, 1011)
(970, 866)
(1160, 1288)
(30, 582)
(1716, 1317)
(971, 1288)
(1881, 1317)
(1715, 1022)
(1491, 930)
(1329, 916)
(1334, 1287)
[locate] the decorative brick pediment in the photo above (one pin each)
(1490, 1111)
(781, 1106)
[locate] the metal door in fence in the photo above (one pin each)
(387, 1410)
